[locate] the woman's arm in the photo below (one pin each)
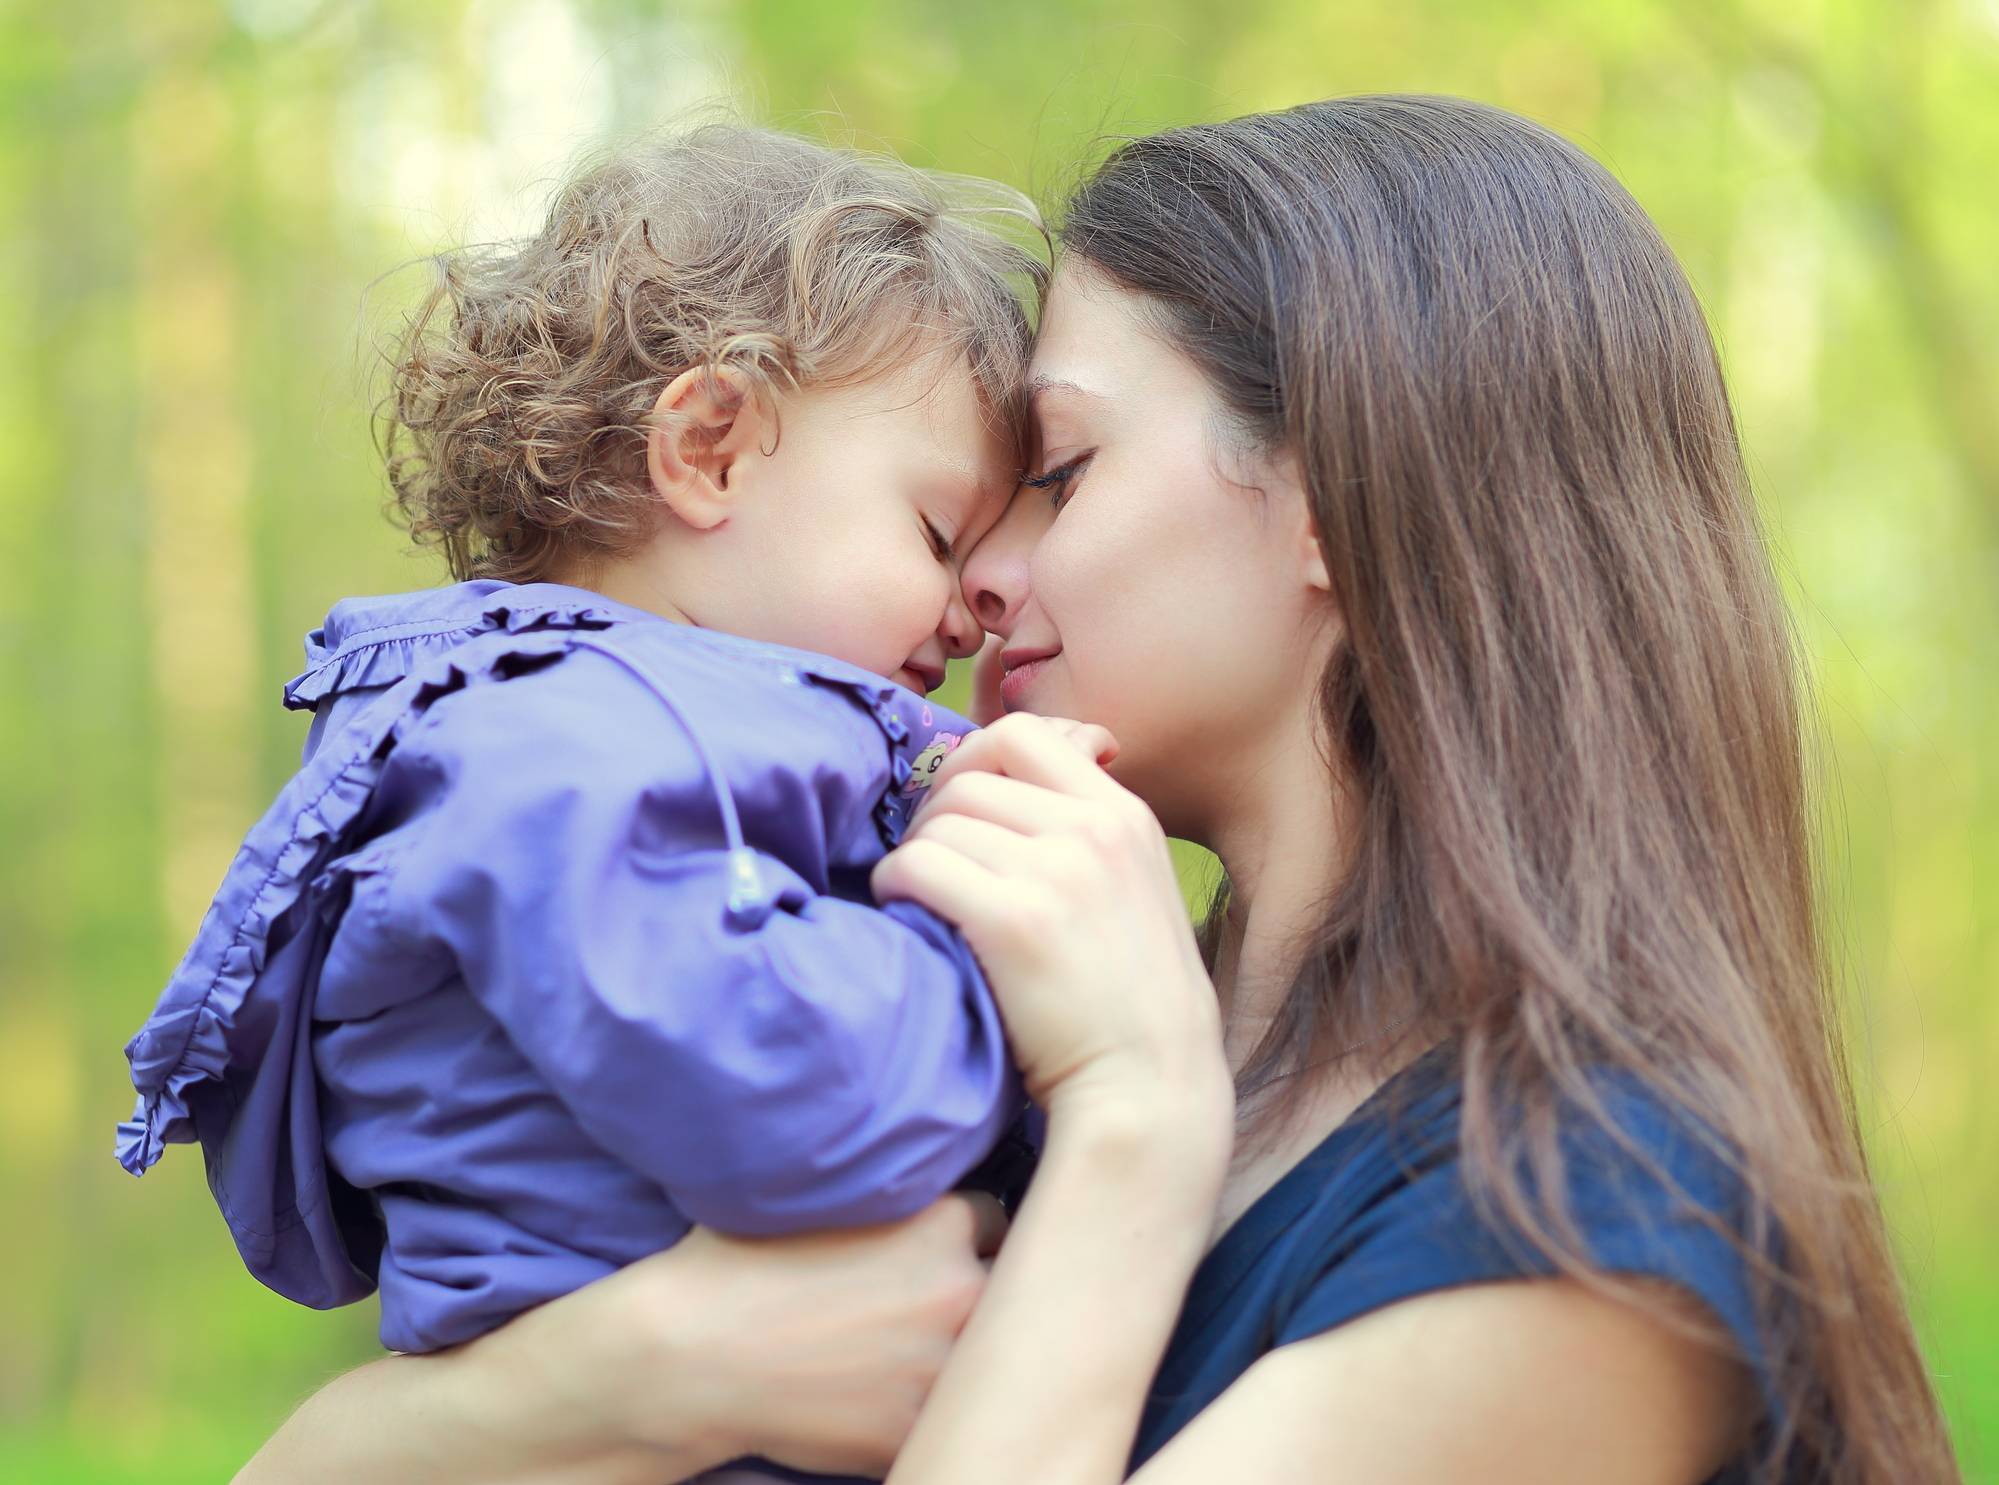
(668, 1367)
(1048, 1379)
(1062, 884)
(1058, 884)
(458, 1415)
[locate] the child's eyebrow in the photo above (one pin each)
(976, 506)
(962, 487)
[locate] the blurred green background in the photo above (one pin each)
(195, 195)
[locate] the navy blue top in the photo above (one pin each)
(1379, 1212)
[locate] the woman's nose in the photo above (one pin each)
(994, 578)
(990, 608)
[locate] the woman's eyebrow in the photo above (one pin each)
(1038, 385)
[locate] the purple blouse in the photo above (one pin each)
(559, 942)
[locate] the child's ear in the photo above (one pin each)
(705, 422)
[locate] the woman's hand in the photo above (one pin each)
(1062, 883)
(815, 1350)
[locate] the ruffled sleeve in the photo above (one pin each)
(225, 1058)
(187, 1041)
(524, 814)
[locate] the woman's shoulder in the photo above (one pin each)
(1645, 1186)
(1388, 1208)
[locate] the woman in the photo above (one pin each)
(1389, 514)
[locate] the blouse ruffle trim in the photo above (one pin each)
(181, 1048)
(186, 1042)
(384, 655)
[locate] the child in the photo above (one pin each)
(560, 940)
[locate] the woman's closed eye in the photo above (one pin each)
(1060, 481)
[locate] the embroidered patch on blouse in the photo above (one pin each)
(927, 762)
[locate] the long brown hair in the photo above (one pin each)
(1569, 701)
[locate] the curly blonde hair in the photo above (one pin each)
(523, 386)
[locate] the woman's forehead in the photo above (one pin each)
(1081, 310)
(1098, 347)
(1068, 370)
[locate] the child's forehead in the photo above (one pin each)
(937, 409)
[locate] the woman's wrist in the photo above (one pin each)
(1163, 1150)
(1142, 1123)
(1084, 1293)
(616, 1361)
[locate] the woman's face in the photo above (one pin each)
(1151, 577)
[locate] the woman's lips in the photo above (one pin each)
(1015, 682)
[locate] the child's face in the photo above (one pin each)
(847, 521)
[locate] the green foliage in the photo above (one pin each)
(199, 194)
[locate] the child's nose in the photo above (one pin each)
(960, 632)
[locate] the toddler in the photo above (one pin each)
(560, 940)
